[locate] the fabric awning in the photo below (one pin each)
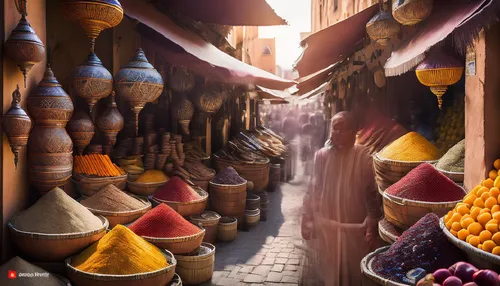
(334, 43)
(227, 12)
(312, 81)
(196, 54)
(461, 18)
(266, 93)
(320, 89)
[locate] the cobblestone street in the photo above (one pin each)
(267, 254)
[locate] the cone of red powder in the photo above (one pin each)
(176, 190)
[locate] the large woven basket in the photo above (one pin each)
(88, 186)
(374, 278)
(404, 213)
(476, 256)
(124, 217)
(55, 247)
(178, 245)
(227, 229)
(196, 269)
(228, 200)
(188, 208)
(160, 277)
(209, 221)
(388, 172)
(258, 173)
(388, 232)
(144, 189)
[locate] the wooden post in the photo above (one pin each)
(248, 113)
(208, 141)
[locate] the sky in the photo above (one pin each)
(298, 15)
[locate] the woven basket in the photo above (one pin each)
(203, 184)
(178, 245)
(476, 256)
(411, 12)
(252, 201)
(258, 173)
(227, 229)
(386, 233)
(456, 177)
(55, 247)
(228, 200)
(366, 269)
(88, 186)
(196, 269)
(176, 281)
(124, 217)
(404, 213)
(144, 189)
(252, 217)
(188, 208)
(160, 277)
(209, 221)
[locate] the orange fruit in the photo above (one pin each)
(480, 246)
(456, 217)
(489, 245)
(496, 216)
(485, 196)
(479, 203)
(495, 208)
(463, 234)
(484, 218)
(496, 164)
(496, 250)
(490, 202)
(463, 209)
(467, 239)
(484, 236)
(496, 238)
(474, 213)
(489, 183)
(494, 192)
(466, 222)
(475, 228)
(481, 191)
(493, 174)
(475, 190)
(474, 241)
(492, 227)
(470, 198)
(496, 183)
(456, 226)
(455, 234)
(485, 210)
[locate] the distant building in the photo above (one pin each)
(325, 13)
(259, 52)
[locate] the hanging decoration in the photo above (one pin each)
(94, 16)
(138, 83)
(50, 149)
(382, 27)
(110, 122)
(81, 130)
(91, 81)
(23, 45)
(438, 71)
(17, 125)
(181, 80)
(379, 76)
(208, 99)
(182, 111)
(411, 12)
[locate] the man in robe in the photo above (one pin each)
(341, 208)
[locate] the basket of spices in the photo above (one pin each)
(147, 183)
(22, 266)
(198, 266)
(165, 228)
(93, 172)
(55, 227)
(184, 199)
(388, 232)
(227, 229)
(121, 258)
(423, 190)
(452, 163)
(116, 206)
(228, 193)
(200, 174)
(401, 156)
(252, 217)
(209, 221)
(252, 202)
(257, 172)
(422, 246)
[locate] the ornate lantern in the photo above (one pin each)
(182, 111)
(181, 80)
(93, 16)
(138, 83)
(438, 71)
(382, 27)
(23, 45)
(208, 99)
(411, 12)
(17, 125)
(91, 81)
(110, 122)
(81, 130)
(379, 77)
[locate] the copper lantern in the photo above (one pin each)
(110, 122)
(411, 12)
(81, 130)
(17, 125)
(182, 111)
(23, 45)
(382, 27)
(438, 71)
(138, 83)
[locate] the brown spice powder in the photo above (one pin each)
(110, 198)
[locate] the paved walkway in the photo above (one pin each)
(267, 254)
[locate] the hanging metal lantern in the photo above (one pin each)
(81, 130)
(23, 45)
(411, 12)
(91, 81)
(110, 122)
(182, 111)
(382, 27)
(94, 16)
(181, 80)
(17, 125)
(138, 83)
(438, 71)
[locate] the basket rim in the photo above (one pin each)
(225, 185)
(368, 272)
(243, 162)
(122, 213)
(200, 192)
(416, 203)
(155, 184)
(218, 216)
(172, 263)
(233, 220)
(449, 172)
(174, 239)
(389, 161)
(213, 174)
(206, 244)
(94, 178)
(75, 235)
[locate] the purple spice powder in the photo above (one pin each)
(228, 176)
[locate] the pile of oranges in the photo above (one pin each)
(475, 220)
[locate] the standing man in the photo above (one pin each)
(341, 208)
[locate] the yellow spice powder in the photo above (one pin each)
(120, 252)
(410, 148)
(152, 176)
